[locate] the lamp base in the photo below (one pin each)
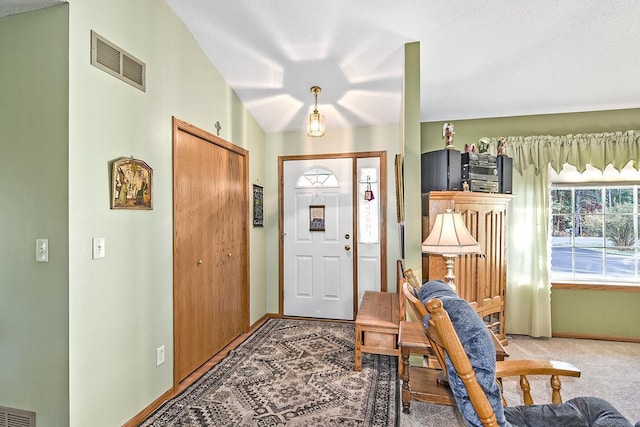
(450, 277)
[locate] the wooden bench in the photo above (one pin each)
(378, 321)
(377, 325)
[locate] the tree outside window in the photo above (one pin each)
(594, 233)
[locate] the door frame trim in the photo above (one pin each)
(382, 155)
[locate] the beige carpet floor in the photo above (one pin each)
(610, 370)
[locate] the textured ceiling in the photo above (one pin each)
(11, 7)
(489, 58)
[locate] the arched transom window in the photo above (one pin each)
(317, 176)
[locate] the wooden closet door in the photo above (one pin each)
(210, 246)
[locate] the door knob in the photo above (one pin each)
(347, 247)
(199, 261)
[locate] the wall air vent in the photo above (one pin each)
(16, 418)
(115, 61)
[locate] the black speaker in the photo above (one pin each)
(505, 174)
(441, 170)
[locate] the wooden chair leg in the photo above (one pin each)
(406, 388)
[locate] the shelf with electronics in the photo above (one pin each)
(448, 176)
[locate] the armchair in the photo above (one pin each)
(463, 344)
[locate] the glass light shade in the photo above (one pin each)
(315, 127)
(449, 236)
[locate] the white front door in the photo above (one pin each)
(318, 238)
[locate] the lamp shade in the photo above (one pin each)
(449, 236)
(315, 127)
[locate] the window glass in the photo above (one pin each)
(317, 176)
(368, 204)
(619, 200)
(562, 217)
(594, 233)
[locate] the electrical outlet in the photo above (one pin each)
(160, 355)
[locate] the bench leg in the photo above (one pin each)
(406, 388)
(358, 352)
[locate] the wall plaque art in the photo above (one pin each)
(316, 218)
(131, 184)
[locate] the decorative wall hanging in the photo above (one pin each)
(400, 187)
(368, 193)
(316, 218)
(131, 184)
(258, 204)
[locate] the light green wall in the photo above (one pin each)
(572, 310)
(81, 346)
(120, 307)
(377, 138)
(601, 313)
(34, 316)
(470, 131)
(412, 164)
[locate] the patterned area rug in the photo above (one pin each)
(290, 373)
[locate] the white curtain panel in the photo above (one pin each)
(528, 265)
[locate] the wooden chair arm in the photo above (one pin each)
(522, 368)
(512, 368)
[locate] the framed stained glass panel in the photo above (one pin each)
(258, 205)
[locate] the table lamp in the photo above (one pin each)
(449, 237)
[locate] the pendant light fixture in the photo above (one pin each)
(315, 127)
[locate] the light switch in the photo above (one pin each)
(99, 250)
(42, 250)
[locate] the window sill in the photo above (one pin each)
(596, 286)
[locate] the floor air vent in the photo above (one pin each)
(16, 418)
(115, 61)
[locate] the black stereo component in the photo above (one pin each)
(441, 170)
(505, 174)
(480, 172)
(483, 186)
(486, 173)
(479, 167)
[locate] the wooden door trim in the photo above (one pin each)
(382, 155)
(182, 126)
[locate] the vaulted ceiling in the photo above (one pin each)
(479, 59)
(488, 58)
